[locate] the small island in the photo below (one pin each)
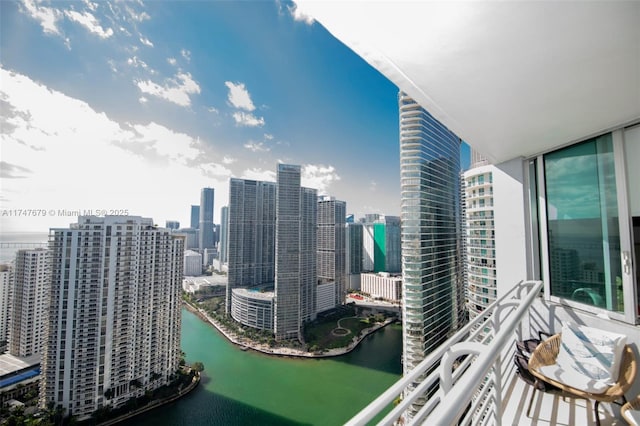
(333, 333)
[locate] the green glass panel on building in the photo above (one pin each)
(380, 249)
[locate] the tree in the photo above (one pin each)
(198, 366)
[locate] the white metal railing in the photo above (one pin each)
(464, 374)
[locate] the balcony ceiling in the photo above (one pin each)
(510, 78)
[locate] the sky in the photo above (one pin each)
(133, 107)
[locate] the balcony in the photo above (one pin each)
(479, 357)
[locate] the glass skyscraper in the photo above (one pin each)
(206, 219)
(431, 232)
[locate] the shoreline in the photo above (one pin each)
(244, 343)
(155, 404)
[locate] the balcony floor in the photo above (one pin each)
(551, 409)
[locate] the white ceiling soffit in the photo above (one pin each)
(510, 78)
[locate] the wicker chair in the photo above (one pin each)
(626, 408)
(546, 353)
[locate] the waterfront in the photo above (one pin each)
(245, 387)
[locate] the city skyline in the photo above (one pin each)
(103, 89)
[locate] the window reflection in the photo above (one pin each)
(583, 233)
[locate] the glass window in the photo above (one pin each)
(582, 224)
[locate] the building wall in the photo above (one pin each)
(251, 234)
(6, 282)
(480, 231)
(206, 219)
(296, 246)
(252, 309)
(192, 263)
(224, 234)
(114, 310)
(326, 297)
(368, 247)
(331, 245)
(195, 217)
(430, 217)
(353, 254)
(383, 285)
(29, 303)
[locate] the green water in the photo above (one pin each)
(247, 388)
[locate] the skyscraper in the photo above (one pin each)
(252, 235)
(430, 214)
(296, 217)
(195, 217)
(6, 281)
(114, 312)
(353, 253)
(206, 219)
(172, 224)
(331, 245)
(224, 234)
(29, 303)
(481, 253)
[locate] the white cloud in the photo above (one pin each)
(143, 100)
(256, 146)
(239, 96)
(228, 160)
(47, 16)
(268, 137)
(136, 62)
(213, 110)
(176, 90)
(139, 17)
(259, 174)
(91, 6)
(319, 176)
(78, 158)
(90, 22)
(247, 119)
(373, 186)
(299, 15)
(186, 54)
(172, 61)
(146, 41)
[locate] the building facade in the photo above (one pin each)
(29, 304)
(331, 255)
(430, 213)
(253, 308)
(195, 217)
(207, 238)
(192, 263)
(383, 285)
(114, 312)
(251, 235)
(6, 282)
(295, 273)
(172, 224)
(224, 235)
(353, 254)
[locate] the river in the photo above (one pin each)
(248, 388)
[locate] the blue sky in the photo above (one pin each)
(136, 106)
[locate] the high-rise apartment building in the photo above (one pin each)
(331, 245)
(206, 219)
(195, 217)
(6, 282)
(430, 213)
(480, 230)
(251, 235)
(29, 307)
(114, 312)
(224, 235)
(295, 282)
